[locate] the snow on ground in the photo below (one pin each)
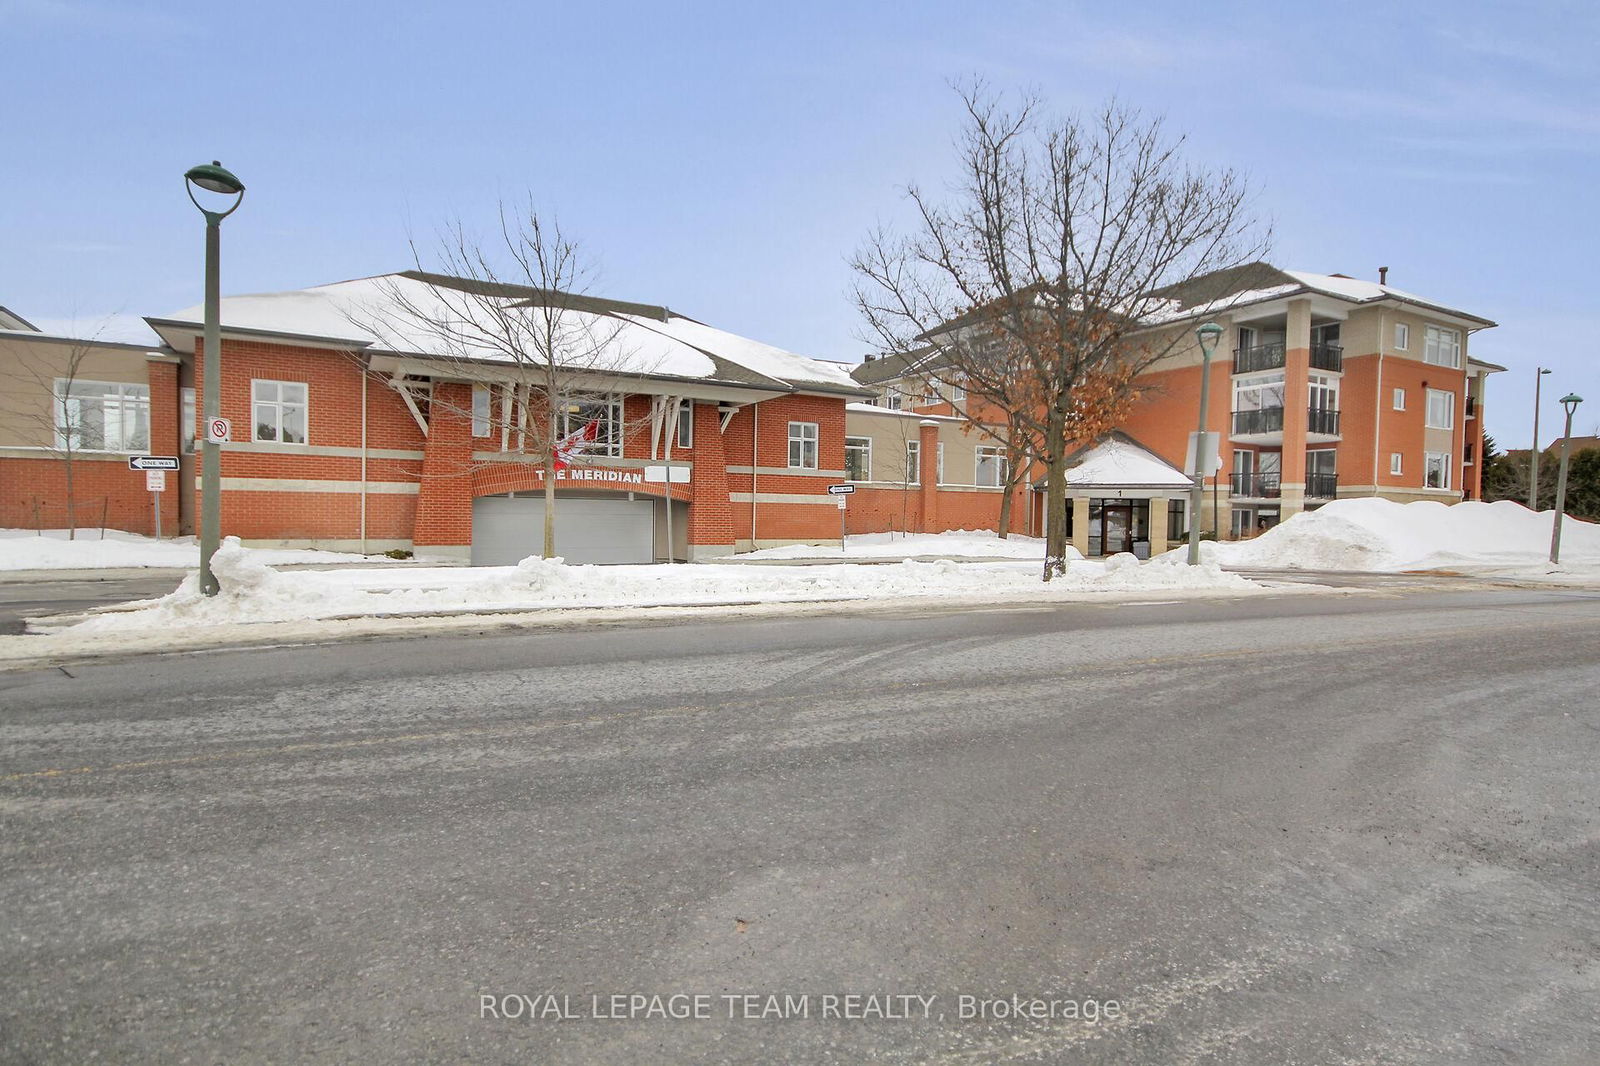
(1492, 539)
(956, 544)
(25, 549)
(253, 592)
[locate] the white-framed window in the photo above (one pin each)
(913, 462)
(1399, 399)
(481, 397)
(989, 466)
(186, 431)
(1436, 471)
(1397, 464)
(279, 411)
(1442, 347)
(803, 445)
(1258, 392)
(606, 411)
(1402, 336)
(1323, 393)
(686, 425)
(1441, 409)
(891, 398)
(101, 416)
(858, 458)
(958, 394)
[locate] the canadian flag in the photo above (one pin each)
(576, 443)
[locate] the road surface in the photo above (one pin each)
(1286, 830)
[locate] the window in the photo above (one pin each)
(1437, 475)
(1442, 347)
(280, 411)
(958, 394)
(187, 430)
(1441, 409)
(1324, 393)
(913, 472)
(990, 466)
(480, 410)
(1177, 529)
(938, 462)
(891, 399)
(1402, 336)
(686, 424)
(1399, 399)
(102, 416)
(803, 445)
(1258, 393)
(607, 412)
(1396, 464)
(858, 458)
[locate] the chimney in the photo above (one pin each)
(1383, 275)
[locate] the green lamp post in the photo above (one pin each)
(1570, 401)
(1208, 335)
(212, 178)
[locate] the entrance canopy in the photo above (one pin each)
(1121, 463)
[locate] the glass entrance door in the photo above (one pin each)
(1117, 528)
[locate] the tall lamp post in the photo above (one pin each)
(1570, 402)
(212, 178)
(1208, 335)
(1533, 456)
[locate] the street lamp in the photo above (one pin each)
(1208, 335)
(1533, 474)
(212, 178)
(1570, 402)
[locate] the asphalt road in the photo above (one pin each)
(39, 593)
(1296, 830)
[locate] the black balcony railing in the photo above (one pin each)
(1261, 357)
(1472, 407)
(1322, 486)
(1323, 420)
(1327, 357)
(1255, 486)
(1271, 357)
(1264, 420)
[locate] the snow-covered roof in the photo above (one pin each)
(388, 312)
(1119, 461)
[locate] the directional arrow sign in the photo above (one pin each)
(840, 490)
(152, 462)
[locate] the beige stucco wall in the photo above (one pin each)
(890, 431)
(28, 370)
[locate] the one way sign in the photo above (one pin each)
(152, 462)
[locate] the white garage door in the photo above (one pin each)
(506, 530)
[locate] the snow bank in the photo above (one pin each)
(1381, 535)
(955, 544)
(25, 549)
(254, 592)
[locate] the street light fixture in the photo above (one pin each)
(1208, 335)
(212, 178)
(1570, 402)
(1533, 473)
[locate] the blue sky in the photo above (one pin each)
(725, 159)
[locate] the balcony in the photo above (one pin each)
(1254, 486)
(1328, 357)
(1321, 486)
(1472, 407)
(1322, 422)
(1258, 422)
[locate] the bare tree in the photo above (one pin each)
(50, 405)
(517, 311)
(1038, 278)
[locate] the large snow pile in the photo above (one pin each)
(255, 592)
(27, 549)
(1377, 534)
(954, 544)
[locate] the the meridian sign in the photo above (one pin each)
(840, 490)
(594, 473)
(152, 462)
